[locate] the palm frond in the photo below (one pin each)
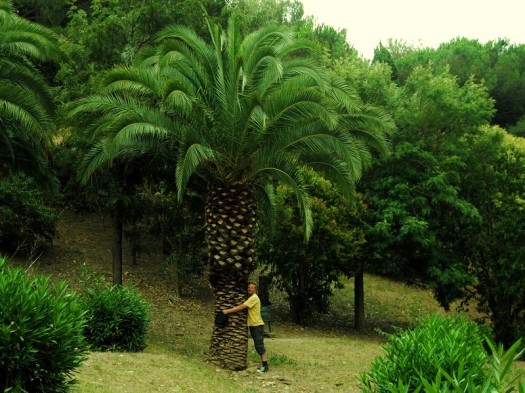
(336, 171)
(179, 102)
(17, 71)
(18, 104)
(138, 131)
(99, 156)
(6, 8)
(190, 158)
(343, 96)
(104, 153)
(26, 105)
(188, 38)
(31, 39)
(372, 125)
(267, 203)
(264, 42)
(268, 72)
(285, 169)
(136, 81)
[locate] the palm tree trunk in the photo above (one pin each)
(231, 227)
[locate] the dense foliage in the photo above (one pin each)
(497, 64)
(26, 221)
(434, 345)
(444, 354)
(419, 218)
(41, 333)
(501, 377)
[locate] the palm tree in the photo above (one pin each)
(241, 114)
(26, 109)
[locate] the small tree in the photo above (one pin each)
(308, 272)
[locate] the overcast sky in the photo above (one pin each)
(420, 22)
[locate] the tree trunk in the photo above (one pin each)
(263, 290)
(175, 269)
(231, 227)
(229, 344)
(117, 243)
(359, 299)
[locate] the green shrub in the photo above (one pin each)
(437, 344)
(118, 319)
(41, 333)
(25, 221)
(501, 377)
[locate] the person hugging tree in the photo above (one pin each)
(255, 323)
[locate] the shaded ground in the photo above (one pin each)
(86, 239)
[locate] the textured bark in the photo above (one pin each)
(231, 227)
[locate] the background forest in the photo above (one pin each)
(443, 208)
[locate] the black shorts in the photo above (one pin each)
(257, 333)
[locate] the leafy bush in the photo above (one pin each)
(118, 319)
(500, 378)
(41, 340)
(437, 344)
(25, 221)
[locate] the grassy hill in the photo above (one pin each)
(327, 357)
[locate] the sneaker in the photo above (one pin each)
(263, 369)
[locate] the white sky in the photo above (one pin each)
(420, 22)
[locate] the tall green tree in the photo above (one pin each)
(383, 55)
(418, 213)
(241, 114)
(494, 182)
(26, 105)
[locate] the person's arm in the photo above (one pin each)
(235, 309)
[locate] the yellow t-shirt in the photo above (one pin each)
(254, 310)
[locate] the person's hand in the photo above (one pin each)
(224, 312)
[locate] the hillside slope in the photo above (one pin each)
(323, 359)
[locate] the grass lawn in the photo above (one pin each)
(315, 359)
